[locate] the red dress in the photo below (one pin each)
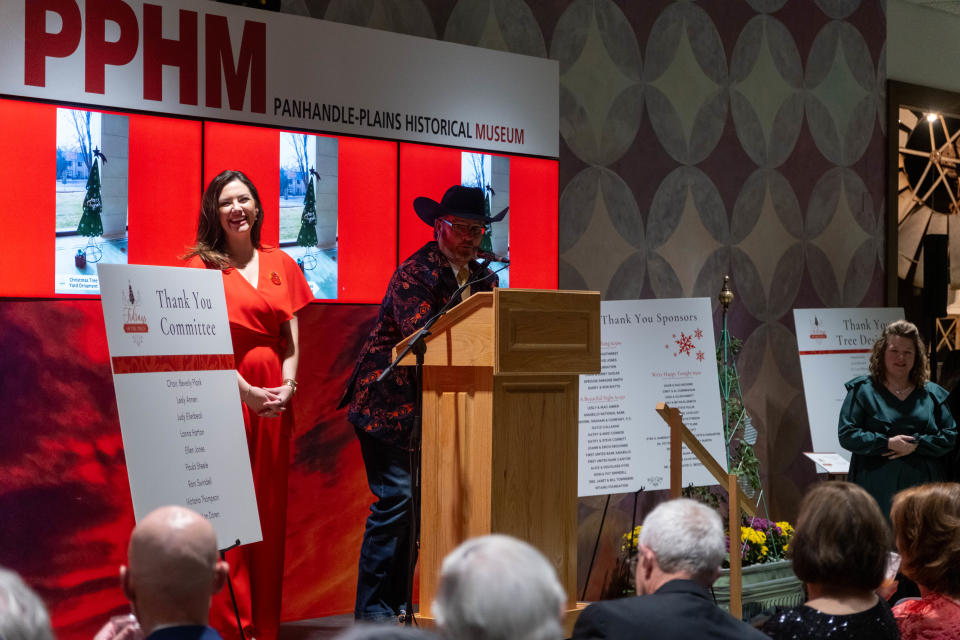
(256, 315)
(933, 617)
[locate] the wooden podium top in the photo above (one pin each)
(518, 331)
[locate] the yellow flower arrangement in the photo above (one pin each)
(763, 541)
(629, 545)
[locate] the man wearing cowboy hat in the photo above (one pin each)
(382, 412)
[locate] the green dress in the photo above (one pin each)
(871, 414)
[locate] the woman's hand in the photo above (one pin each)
(120, 628)
(899, 446)
(887, 589)
(263, 402)
(283, 393)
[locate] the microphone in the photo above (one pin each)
(487, 257)
(424, 331)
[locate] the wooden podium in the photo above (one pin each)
(500, 416)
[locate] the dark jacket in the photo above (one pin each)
(870, 415)
(185, 632)
(679, 610)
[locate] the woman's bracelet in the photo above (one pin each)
(290, 382)
(249, 393)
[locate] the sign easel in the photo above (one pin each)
(680, 435)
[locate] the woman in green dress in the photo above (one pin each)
(895, 421)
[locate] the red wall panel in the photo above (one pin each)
(429, 171)
(366, 218)
(378, 181)
(28, 169)
(256, 152)
(533, 223)
(164, 188)
(424, 171)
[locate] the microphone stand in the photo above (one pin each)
(424, 331)
(418, 346)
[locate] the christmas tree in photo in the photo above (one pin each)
(486, 242)
(308, 219)
(91, 224)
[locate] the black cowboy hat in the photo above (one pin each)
(460, 202)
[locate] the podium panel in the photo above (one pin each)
(534, 493)
(559, 333)
(500, 416)
(455, 466)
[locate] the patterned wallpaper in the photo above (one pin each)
(699, 139)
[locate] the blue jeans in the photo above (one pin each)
(384, 555)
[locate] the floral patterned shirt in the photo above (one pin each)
(419, 287)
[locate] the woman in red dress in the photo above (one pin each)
(264, 289)
(926, 520)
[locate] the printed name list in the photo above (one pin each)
(652, 351)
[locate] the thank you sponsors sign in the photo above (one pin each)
(652, 351)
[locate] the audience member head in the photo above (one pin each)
(173, 568)
(498, 588)
(927, 524)
(385, 632)
(680, 539)
(22, 614)
(905, 331)
(841, 542)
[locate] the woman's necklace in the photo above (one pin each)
(900, 392)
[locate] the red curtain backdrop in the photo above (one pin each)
(64, 493)
(328, 497)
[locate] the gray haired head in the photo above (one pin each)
(685, 537)
(22, 614)
(385, 632)
(499, 588)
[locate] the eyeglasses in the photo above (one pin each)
(472, 230)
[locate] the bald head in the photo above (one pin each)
(173, 569)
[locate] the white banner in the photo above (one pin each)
(177, 395)
(212, 60)
(835, 346)
(653, 351)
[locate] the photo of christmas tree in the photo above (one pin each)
(91, 197)
(492, 174)
(308, 208)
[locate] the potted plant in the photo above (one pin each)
(762, 541)
(768, 579)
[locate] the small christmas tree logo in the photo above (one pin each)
(91, 224)
(308, 219)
